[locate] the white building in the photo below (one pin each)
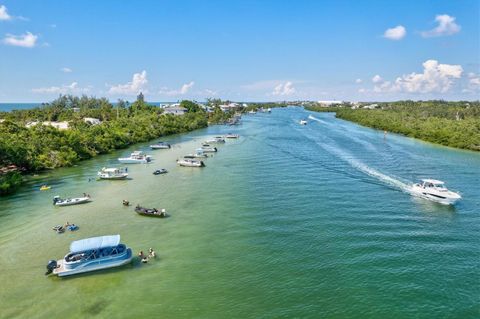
(57, 125)
(92, 120)
(228, 107)
(371, 106)
(329, 103)
(175, 110)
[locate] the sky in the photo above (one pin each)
(270, 50)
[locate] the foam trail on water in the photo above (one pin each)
(316, 119)
(355, 163)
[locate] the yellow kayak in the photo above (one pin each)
(45, 187)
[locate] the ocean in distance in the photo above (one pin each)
(288, 221)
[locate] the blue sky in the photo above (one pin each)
(240, 50)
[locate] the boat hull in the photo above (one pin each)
(444, 200)
(95, 265)
(132, 161)
(124, 176)
(74, 202)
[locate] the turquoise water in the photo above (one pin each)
(288, 221)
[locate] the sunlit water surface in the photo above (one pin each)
(288, 221)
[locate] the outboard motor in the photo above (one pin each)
(56, 199)
(52, 264)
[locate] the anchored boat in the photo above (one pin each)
(206, 148)
(303, 122)
(57, 201)
(152, 212)
(91, 254)
(160, 171)
(160, 146)
(187, 162)
(216, 139)
(230, 135)
(112, 173)
(436, 191)
(137, 157)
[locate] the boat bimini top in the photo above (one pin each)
(94, 243)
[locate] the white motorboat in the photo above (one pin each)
(91, 254)
(188, 162)
(230, 135)
(160, 146)
(206, 148)
(303, 122)
(435, 190)
(112, 173)
(252, 112)
(137, 157)
(216, 139)
(269, 110)
(196, 155)
(57, 201)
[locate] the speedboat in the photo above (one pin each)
(137, 157)
(57, 201)
(160, 145)
(303, 122)
(187, 162)
(91, 254)
(252, 112)
(112, 173)
(160, 171)
(216, 139)
(435, 190)
(269, 110)
(206, 148)
(230, 135)
(153, 212)
(196, 155)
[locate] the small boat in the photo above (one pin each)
(137, 157)
(59, 229)
(252, 112)
(125, 202)
(153, 212)
(160, 171)
(187, 162)
(206, 148)
(216, 139)
(269, 110)
(436, 191)
(230, 135)
(112, 173)
(303, 122)
(45, 188)
(160, 146)
(196, 155)
(57, 201)
(91, 254)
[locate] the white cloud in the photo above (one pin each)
(209, 92)
(27, 40)
(64, 89)
(184, 89)
(396, 33)
(377, 79)
(435, 78)
(138, 83)
(4, 14)
(446, 26)
(283, 89)
(358, 81)
(66, 70)
(362, 90)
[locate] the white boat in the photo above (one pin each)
(188, 162)
(112, 173)
(206, 148)
(269, 110)
(196, 155)
(230, 135)
(160, 146)
(91, 254)
(436, 191)
(216, 139)
(57, 201)
(137, 157)
(303, 122)
(252, 112)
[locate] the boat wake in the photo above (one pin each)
(311, 117)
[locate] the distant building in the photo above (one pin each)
(329, 103)
(371, 106)
(76, 109)
(92, 120)
(228, 107)
(175, 110)
(57, 125)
